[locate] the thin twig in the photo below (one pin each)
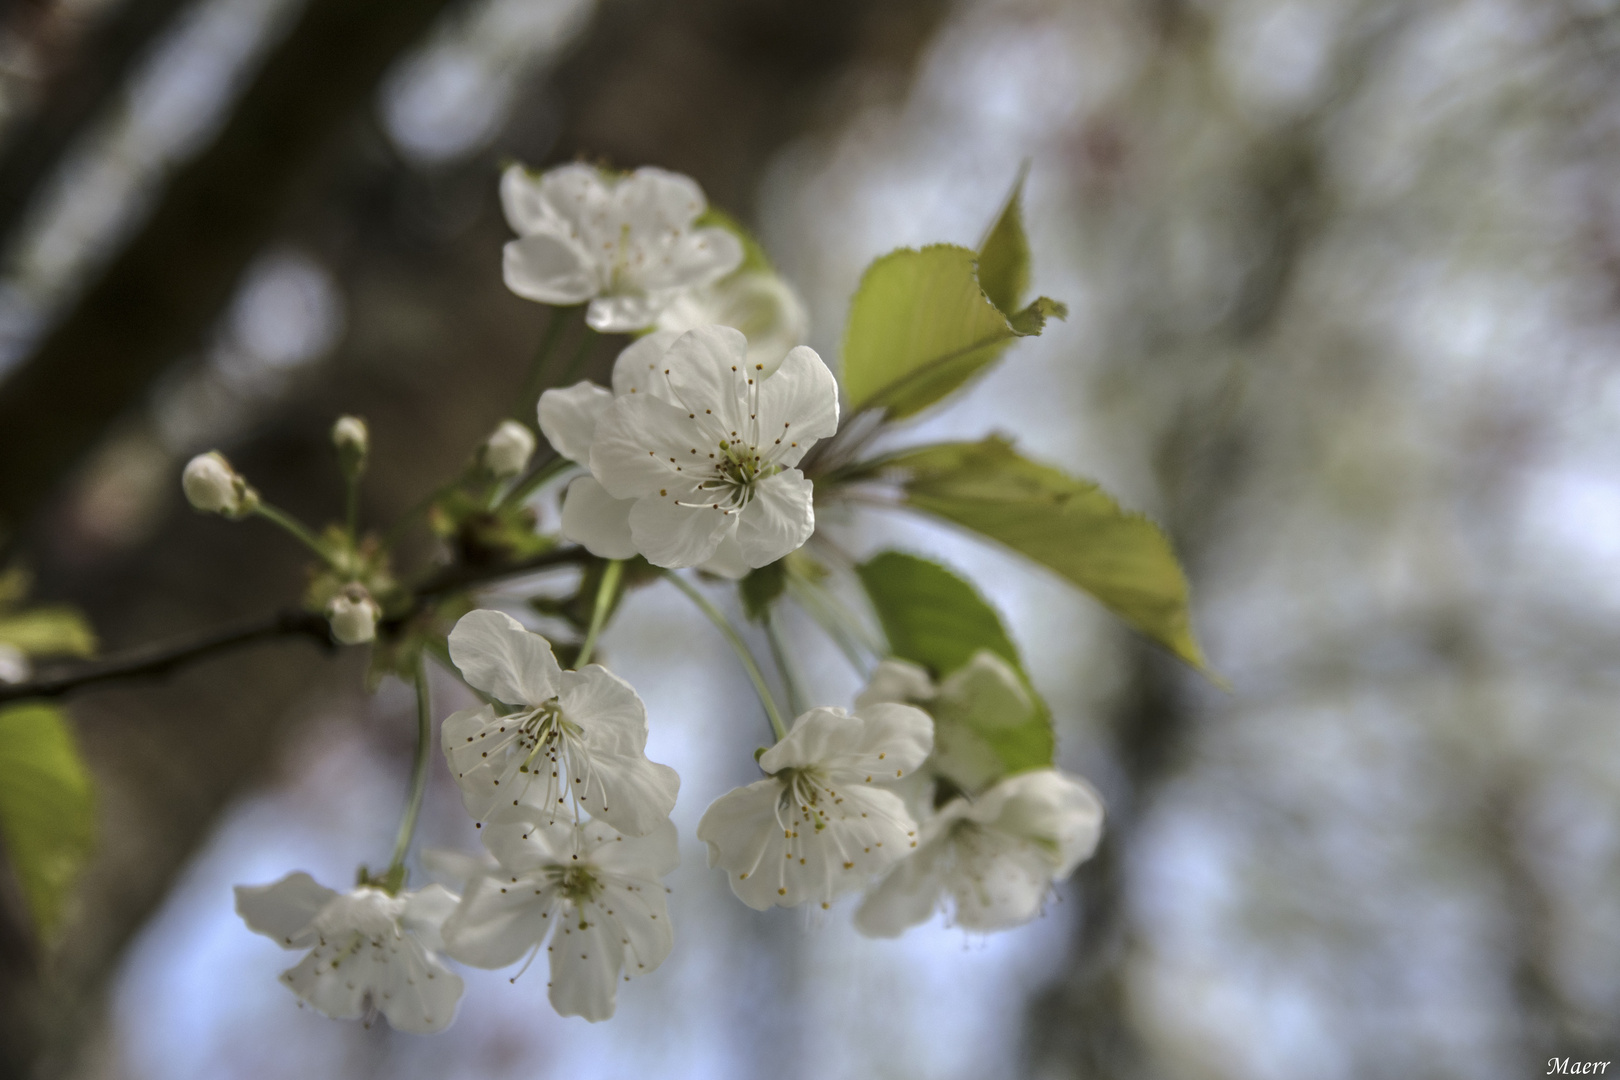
(158, 660)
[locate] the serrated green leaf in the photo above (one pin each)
(1004, 255)
(47, 808)
(48, 631)
(935, 619)
(1067, 524)
(920, 327)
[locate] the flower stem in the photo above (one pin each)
(419, 770)
(536, 480)
(352, 510)
(587, 341)
(784, 667)
(295, 528)
(740, 647)
(605, 592)
(539, 367)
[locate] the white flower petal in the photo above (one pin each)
(907, 896)
(778, 519)
(727, 560)
(549, 268)
(640, 368)
(898, 681)
(1060, 812)
(879, 742)
(653, 201)
(285, 910)
(422, 994)
(709, 377)
(671, 535)
(797, 405)
(647, 858)
(425, 912)
(607, 708)
(523, 202)
(466, 738)
(585, 961)
(760, 304)
(498, 656)
(644, 446)
(501, 918)
(742, 833)
(568, 418)
(577, 195)
(596, 520)
(624, 313)
(699, 257)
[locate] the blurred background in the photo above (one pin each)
(1344, 281)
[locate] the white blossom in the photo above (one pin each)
(983, 695)
(349, 434)
(369, 951)
(353, 615)
(597, 893)
(628, 244)
(994, 858)
(757, 302)
(508, 449)
(821, 823)
(568, 417)
(582, 733)
(706, 445)
(211, 485)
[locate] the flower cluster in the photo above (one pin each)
(922, 796)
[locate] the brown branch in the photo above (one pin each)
(159, 660)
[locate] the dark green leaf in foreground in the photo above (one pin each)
(937, 620)
(1067, 524)
(920, 327)
(47, 812)
(1004, 255)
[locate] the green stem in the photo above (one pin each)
(352, 510)
(587, 341)
(605, 593)
(779, 654)
(740, 647)
(535, 382)
(419, 771)
(297, 529)
(536, 480)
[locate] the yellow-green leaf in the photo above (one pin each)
(937, 620)
(47, 808)
(48, 631)
(1067, 524)
(920, 327)
(1004, 255)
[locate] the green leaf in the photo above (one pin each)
(937, 620)
(48, 631)
(1004, 255)
(47, 808)
(920, 327)
(1067, 524)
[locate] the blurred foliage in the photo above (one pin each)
(47, 808)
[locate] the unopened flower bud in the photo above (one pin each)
(14, 666)
(507, 451)
(353, 442)
(211, 485)
(353, 615)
